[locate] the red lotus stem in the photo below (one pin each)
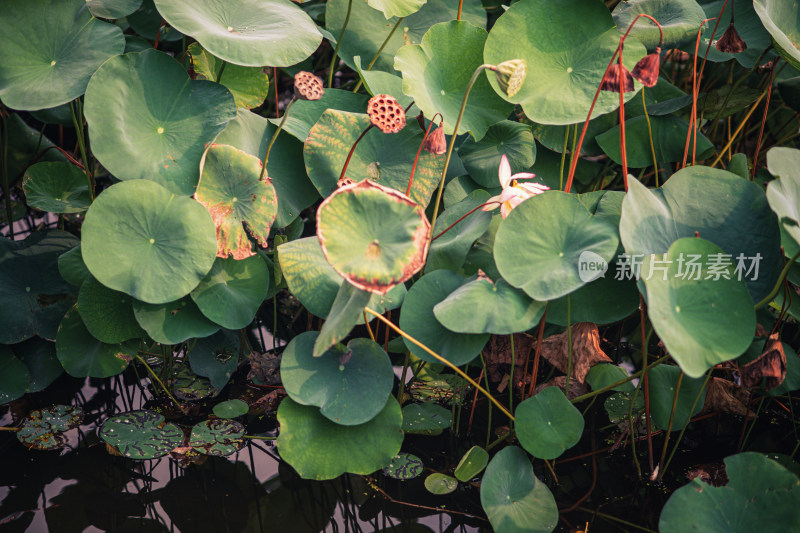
(696, 92)
(646, 383)
(419, 151)
(622, 151)
(448, 228)
(537, 354)
(158, 35)
(353, 149)
(763, 123)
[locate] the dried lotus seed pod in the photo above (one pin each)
(386, 113)
(307, 86)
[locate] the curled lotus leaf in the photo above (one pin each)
(217, 436)
(141, 434)
(374, 236)
(44, 429)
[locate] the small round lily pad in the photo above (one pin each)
(141, 434)
(440, 484)
(231, 408)
(217, 436)
(426, 418)
(43, 429)
(404, 466)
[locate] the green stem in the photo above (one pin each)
(81, 142)
(402, 389)
(615, 519)
(380, 51)
(161, 383)
(258, 438)
(221, 69)
(6, 187)
(563, 159)
(511, 377)
(486, 381)
(650, 137)
(683, 429)
(669, 425)
(618, 383)
(774, 292)
(275, 137)
(338, 43)
(569, 350)
(753, 423)
(5, 428)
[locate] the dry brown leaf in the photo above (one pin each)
(265, 367)
(726, 396)
(769, 366)
(575, 388)
(586, 350)
(498, 355)
(713, 473)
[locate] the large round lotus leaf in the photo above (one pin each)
(82, 355)
(669, 140)
(509, 138)
(396, 8)
(311, 279)
(404, 466)
(162, 120)
(141, 239)
(436, 74)
(385, 158)
(39, 356)
(783, 194)
(450, 249)
(484, 306)
(748, 25)
(426, 418)
(513, 498)
(701, 321)
(72, 268)
(567, 45)
(236, 198)
(14, 376)
(49, 49)
(56, 187)
(33, 296)
(44, 429)
(722, 207)
(350, 384)
(782, 21)
(173, 322)
(107, 314)
(320, 449)
(248, 85)
(217, 436)
(760, 491)
(663, 381)
(216, 357)
(252, 133)
(112, 9)
(141, 434)
(418, 320)
(680, 20)
(374, 236)
(539, 245)
(603, 301)
(306, 113)
(367, 29)
(548, 424)
(253, 33)
(232, 292)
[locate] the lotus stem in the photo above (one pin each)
(448, 228)
(369, 328)
(221, 70)
(256, 437)
(774, 292)
(763, 119)
(618, 383)
(683, 429)
(6, 428)
(275, 137)
(669, 425)
(537, 354)
(161, 383)
(6, 187)
(650, 137)
(646, 381)
(738, 130)
(485, 375)
(460, 5)
(511, 376)
(380, 51)
(77, 120)
(338, 43)
(352, 150)
(402, 388)
(419, 150)
(622, 149)
(564, 157)
(569, 348)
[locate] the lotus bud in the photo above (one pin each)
(435, 143)
(646, 70)
(307, 86)
(611, 80)
(386, 113)
(731, 42)
(511, 75)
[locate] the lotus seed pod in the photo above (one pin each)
(511, 75)
(386, 113)
(731, 42)
(435, 143)
(307, 86)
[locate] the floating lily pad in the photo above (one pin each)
(513, 498)
(604, 374)
(320, 449)
(430, 78)
(404, 466)
(14, 376)
(49, 49)
(679, 19)
(248, 85)
(450, 249)
(44, 429)
(217, 436)
(701, 317)
(418, 320)
(392, 155)
(232, 292)
(141, 434)
(546, 236)
(141, 239)
(509, 138)
(440, 484)
(107, 314)
(39, 356)
(161, 122)
(426, 418)
(471, 464)
(56, 187)
(663, 380)
(82, 355)
(249, 32)
(112, 9)
(548, 424)
(564, 73)
(231, 408)
(173, 322)
(190, 387)
(216, 356)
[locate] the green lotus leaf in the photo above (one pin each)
(749, 27)
(49, 49)
(112, 9)
(485, 306)
(567, 45)
(604, 374)
(320, 449)
(217, 436)
(39, 356)
(33, 296)
(618, 407)
(251, 133)
(367, 29)
(426, 418)
(392, 155)
(216, 357)
(404, 466)
(232, 291)
(720, 206)
(396, 8)
(662, 99)
(141, 434)
(513, 498)
(148, 23)
(663, 380)
(790, 92)
(548, 424)
(759, 489)
(173, 322)
(162, 120)
(61, 115)
(450, 249)
(190, 387)
(14, 376)
(231, 408)
(347, 311)
(305, 113)
(669, 140)
(56, 187)
(564, 230)
(436, 73)
(310, 277)
(471, 464)
(701, 317)
(252, 33)
(349, 384)
(782, 21)
(25, 144)
(141, 239)
(374, 236)
(44, 429)
(379, 82)
(603, 301)
(248, 85)
(509, 138)
(82, 355)
(440, 484)
(680, 20)
(552, 137)
(417, 318)
(107, 314)
(783, 194)
(72, 268)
